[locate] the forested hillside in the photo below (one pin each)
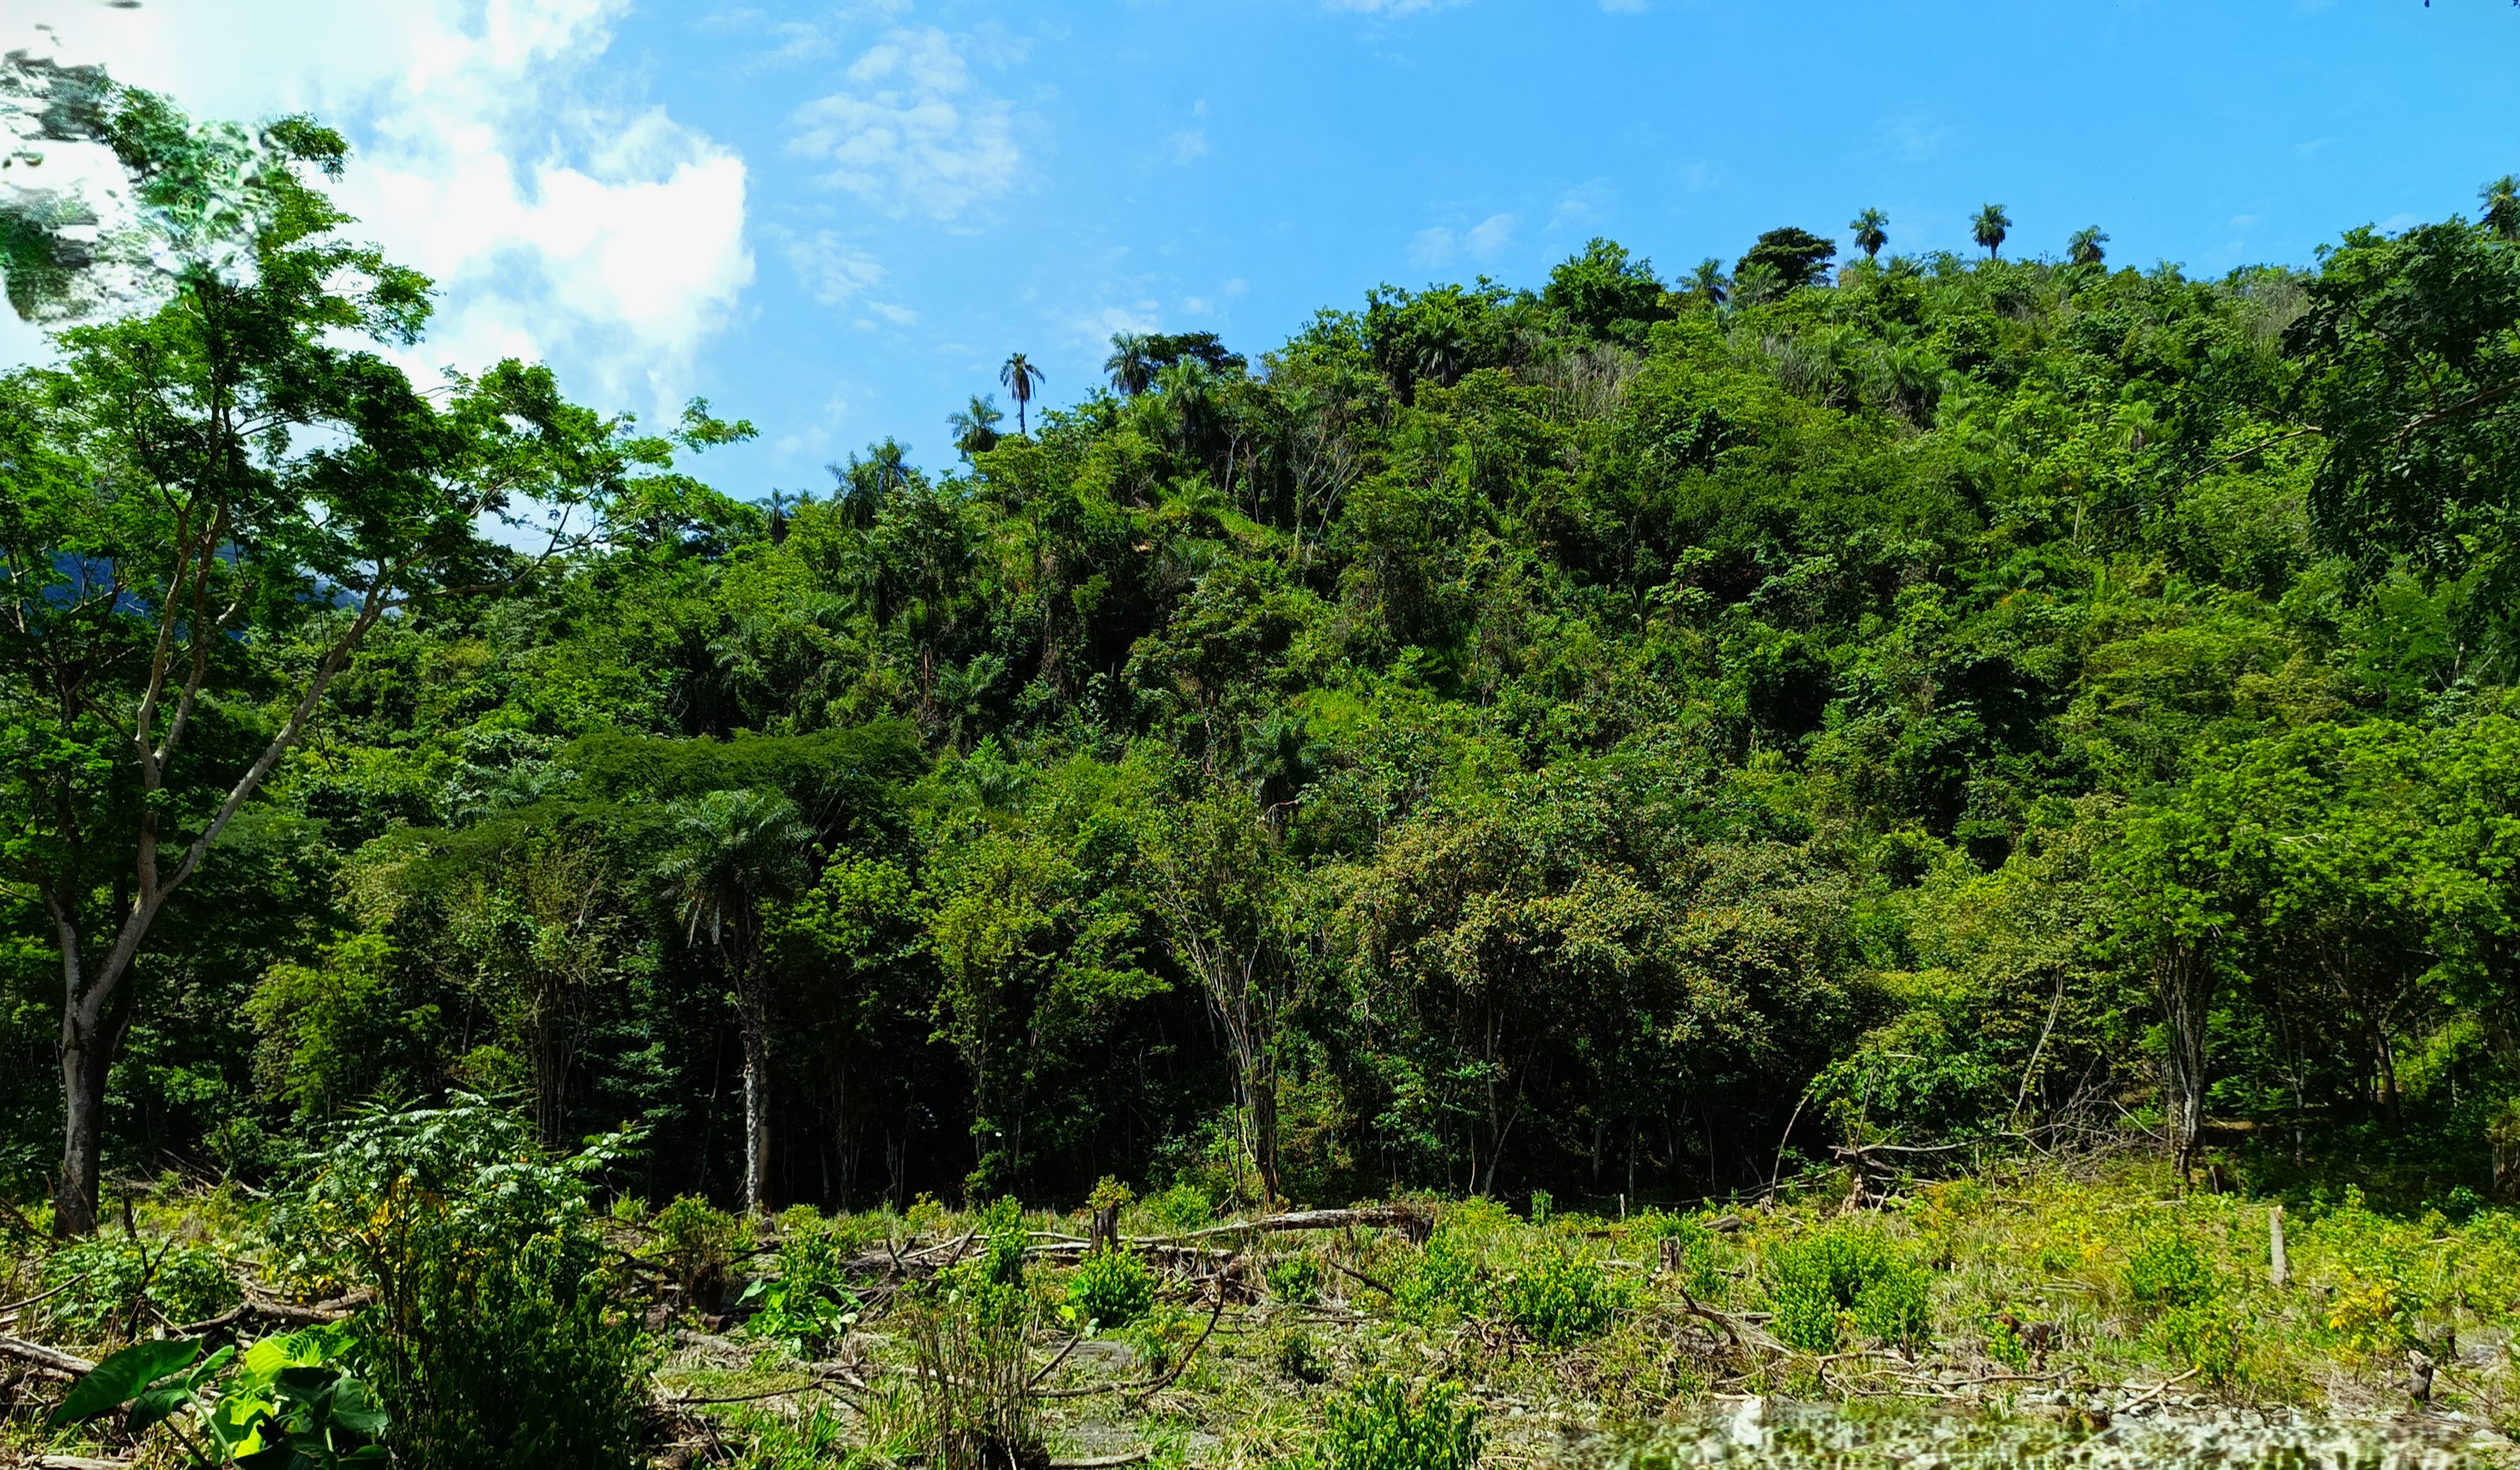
(1619, 735)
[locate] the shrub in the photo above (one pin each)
(492, 1340)
(1846, 1275)
(2195, 1324)
(108, 1284)
(696, 1243)
(808, 1304)
(1295, 1276)
(1294, 1353)
(968, 1325)
(2206, 1336)
(1383, 1426)
(1112, 1288)
(2166, 1270)
(1181, 1208)
(1561, 1301)
(1446, 1275)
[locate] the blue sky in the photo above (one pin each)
(837, 220)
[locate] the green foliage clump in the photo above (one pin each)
(1293, 1353)
(967, 1327)
(2385, 1278)
(1382, 1425)
(493, 1341)
(1560, 1300)
(107, 1287)
(1112, 1288)
(1842, 1276)
(286, 1402)
(1450, 1275)
(807, 1303)
(1181, 1208)
(1295, 1276)
(697, 1242)
(2167, 1269)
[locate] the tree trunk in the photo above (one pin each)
(2186, 985)
(753, 1009)
(1264, 1135)
(85, 1056)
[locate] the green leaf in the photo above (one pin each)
(156, 1405)
(356, 1411)
(210, 1367)
(120, 1378)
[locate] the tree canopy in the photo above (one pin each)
(1606, 736)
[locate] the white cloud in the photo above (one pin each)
(833, 271)
(1487, 238)
(604, 238)
(910, 132)
(1436, 247)
(1097, 326)
(1189, 144)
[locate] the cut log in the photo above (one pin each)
(1417, 1221)
(48, 1360)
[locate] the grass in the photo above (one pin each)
(2041, 1296)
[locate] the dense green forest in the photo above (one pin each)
(1618, 738)
(1838, 827)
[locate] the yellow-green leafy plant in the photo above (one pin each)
(1382, 1424)
(1842, 1277)
(1110, 1289)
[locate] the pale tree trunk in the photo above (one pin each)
(2185, 981)
(752, 1012)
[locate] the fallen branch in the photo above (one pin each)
(1143, 1386)
(1103, 1461)
(23, 1303)
(1345, 1269)
(14, 1217)
(686, 1400)
(1723, 1319)
(270, 1308)
(2148, 1394)
(1408, 1217)
(45, 1359)
(1052, 1367)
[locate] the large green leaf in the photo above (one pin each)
(123, 1378)
(155, 1405)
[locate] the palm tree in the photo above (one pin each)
(1708, 280)
(1132, 363)
(1989, 228)
(1871, 232)
(976, 428)
(1019, 375)
(1444, 346)
(2503, 206)
(1190, 389)
(740, 852)
(2084, 248)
